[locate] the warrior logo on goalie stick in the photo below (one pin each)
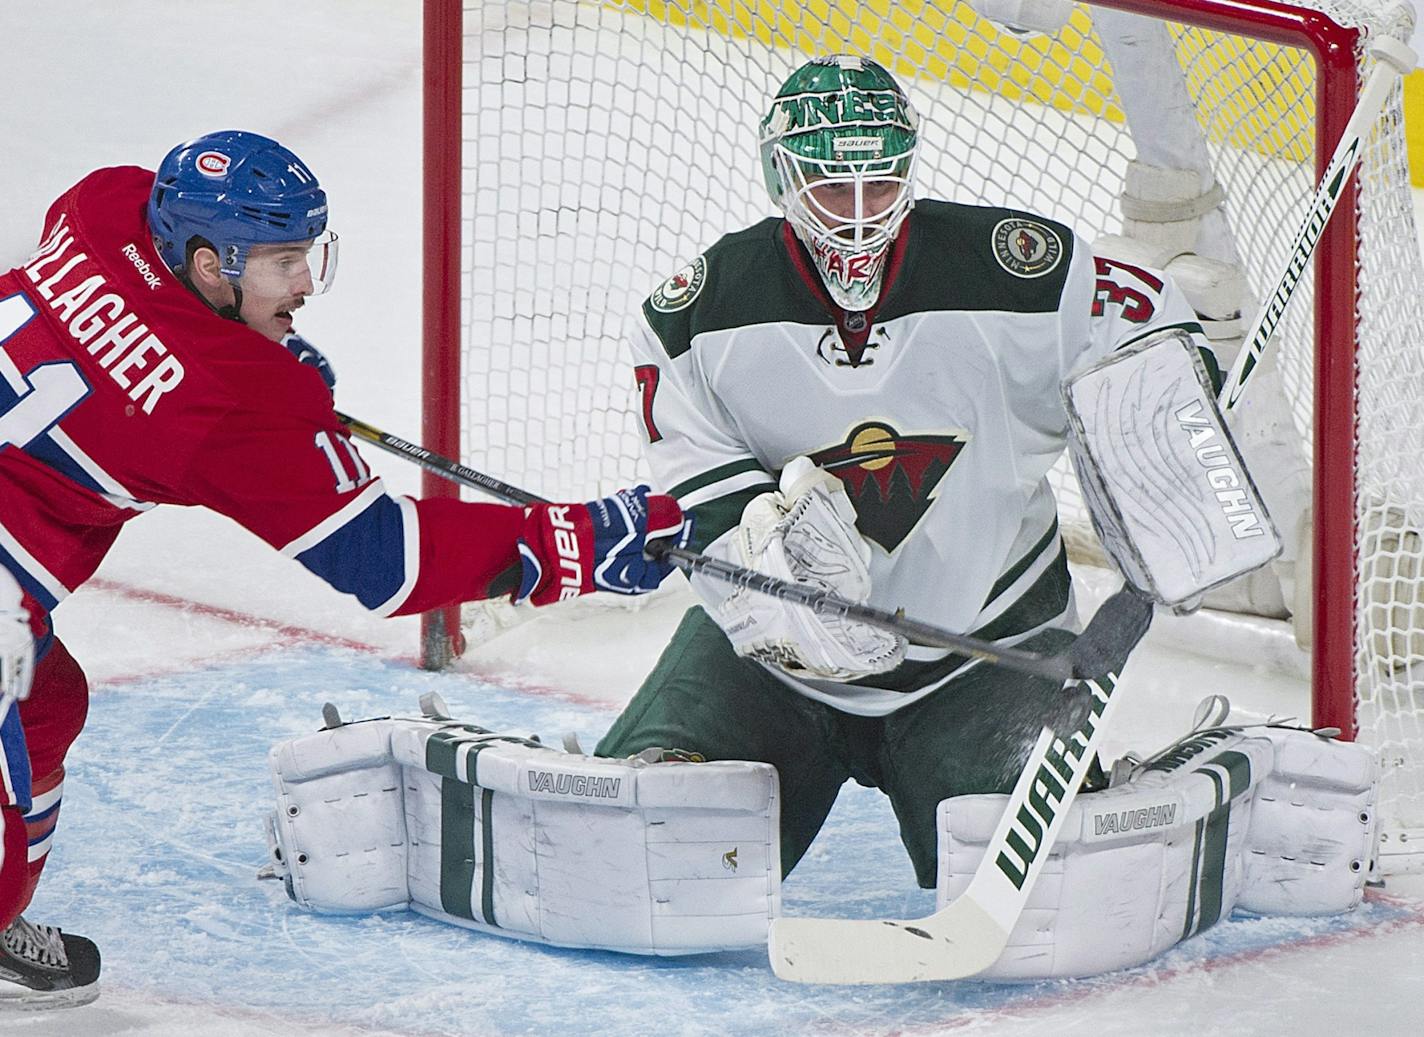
(1025, 837)
(891, 479)
(680, 290)
(1027, 248)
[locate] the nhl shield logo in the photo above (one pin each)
(679, 290)
(1027, 248)
(891, 478)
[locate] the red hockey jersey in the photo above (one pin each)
(120, 390)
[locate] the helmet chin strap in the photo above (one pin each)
(233, 310)
(229, 311)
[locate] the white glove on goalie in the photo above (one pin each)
(17, 647)
(806, 533)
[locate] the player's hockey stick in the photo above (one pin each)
(444, 466)
(1393, 59)
(1059, 666)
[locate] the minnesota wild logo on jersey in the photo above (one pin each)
(890, 478)
(681, 289)
(1027, 248)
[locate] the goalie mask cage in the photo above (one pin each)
(579, 153)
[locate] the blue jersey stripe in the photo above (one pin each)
(34, 587)
(365, 557)
(16, 758)
(45, 450)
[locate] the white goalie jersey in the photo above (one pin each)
(940, 409)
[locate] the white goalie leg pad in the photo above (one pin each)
(1137, 868)
(516, 839)
(1313, 827)
(499, 833)
(338, 836)
(1165, 486)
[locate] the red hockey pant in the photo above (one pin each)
(52, 717)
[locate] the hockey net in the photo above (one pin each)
(605, 144)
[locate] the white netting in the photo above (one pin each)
(606, 144)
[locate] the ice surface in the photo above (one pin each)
(163, 839)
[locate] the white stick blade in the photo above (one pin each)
(954, 943)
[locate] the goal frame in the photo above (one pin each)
(1333, 48)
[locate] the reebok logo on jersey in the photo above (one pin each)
(890, 478)
(567, 546)
(140, 264)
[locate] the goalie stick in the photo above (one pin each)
(1059, 666)
(968, 934)
(1394, 59)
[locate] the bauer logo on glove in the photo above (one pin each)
(573, 549)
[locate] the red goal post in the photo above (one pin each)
(515, 93)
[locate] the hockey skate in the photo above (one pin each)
(41, 968)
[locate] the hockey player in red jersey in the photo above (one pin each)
(147, 357)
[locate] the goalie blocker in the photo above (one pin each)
(1167, 490)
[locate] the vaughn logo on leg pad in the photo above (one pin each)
(588, 786)
(1161, 816)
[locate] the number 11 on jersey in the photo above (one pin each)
(44, 395)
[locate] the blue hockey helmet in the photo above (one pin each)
(233, 190)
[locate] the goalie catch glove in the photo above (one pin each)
(573, 549)
(17, 646)
(806, 533)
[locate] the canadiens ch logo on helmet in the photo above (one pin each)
(679, 290)
(213, 163)
(890, 478)
(1027, 248)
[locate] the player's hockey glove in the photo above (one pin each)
(806, 533)
(308, 354)
(573, 549)
(17, 646)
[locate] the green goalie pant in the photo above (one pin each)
(971, 736)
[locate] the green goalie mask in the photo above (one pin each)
(838, 153)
